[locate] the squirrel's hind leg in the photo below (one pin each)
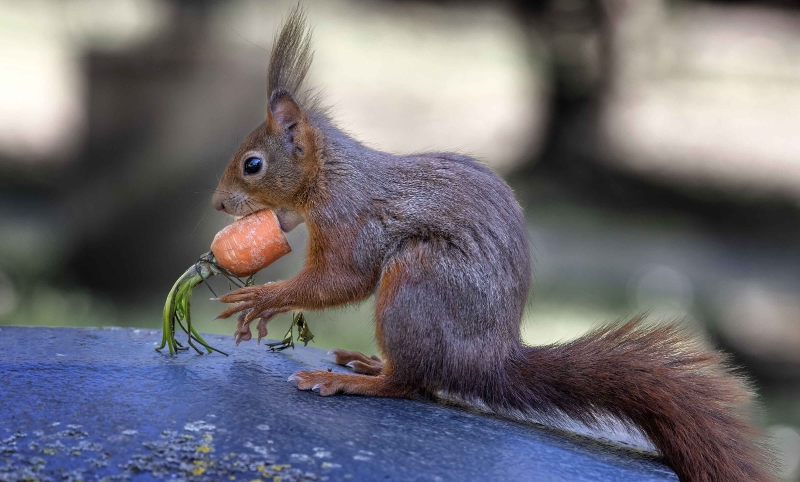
(359, 362)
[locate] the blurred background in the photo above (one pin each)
(654, 145)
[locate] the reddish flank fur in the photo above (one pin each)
(442, 243)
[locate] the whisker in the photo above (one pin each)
(248, 41)
(198, 222)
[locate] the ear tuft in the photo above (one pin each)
(284, 112)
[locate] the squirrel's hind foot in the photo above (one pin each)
(359, 362)
(326, 383)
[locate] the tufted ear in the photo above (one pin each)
(283, 113)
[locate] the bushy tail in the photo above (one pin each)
(685, 398)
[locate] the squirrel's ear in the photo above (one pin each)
(283, 112)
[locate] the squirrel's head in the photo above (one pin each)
(275, 168)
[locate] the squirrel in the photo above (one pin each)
(441, 242)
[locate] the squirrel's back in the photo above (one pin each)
(432, 196)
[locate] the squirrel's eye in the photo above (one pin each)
(252, 165)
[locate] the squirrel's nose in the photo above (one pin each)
(218, 202)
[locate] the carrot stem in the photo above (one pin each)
(178, 306)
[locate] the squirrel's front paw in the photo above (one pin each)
(256, 300)
(243, 332)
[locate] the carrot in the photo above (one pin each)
(250, 244)
(241, 249)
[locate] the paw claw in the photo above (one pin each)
(351, 364)
(316, 387)
(293, 378)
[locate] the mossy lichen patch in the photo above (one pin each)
(178, 456)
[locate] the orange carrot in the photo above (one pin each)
(250, 244)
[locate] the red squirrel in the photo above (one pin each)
(441, 242)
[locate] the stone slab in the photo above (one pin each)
(88, 404)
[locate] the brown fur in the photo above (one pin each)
(442, 242)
